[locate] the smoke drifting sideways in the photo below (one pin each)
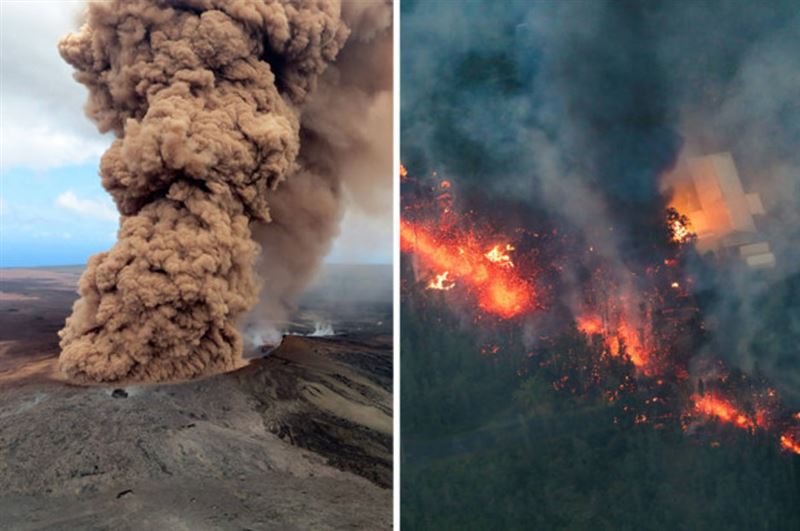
(346, 161)
(575, 111)
(206, 99)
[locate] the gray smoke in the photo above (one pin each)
(578, 109)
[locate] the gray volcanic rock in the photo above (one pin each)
(331, 396)
(298, 440)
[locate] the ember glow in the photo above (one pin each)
(679, 232)
(590, 324)
(620, 339)
(679, 227)
(442, 282)
(790, 441)
(628, 336)
(499, 290)
(722, 410)
(646, 316)
(499, 255)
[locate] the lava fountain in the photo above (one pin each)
(487, 273)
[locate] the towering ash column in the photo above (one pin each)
(204, 97)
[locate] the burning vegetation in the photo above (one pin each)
(716, 408)
(488, 275)
(639, 329)
(556, 126)
(680, 227)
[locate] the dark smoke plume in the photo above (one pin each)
(576, 111)
(204, 97)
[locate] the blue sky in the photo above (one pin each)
(53, 210)
(61, 215)
(55, 216)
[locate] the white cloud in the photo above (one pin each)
(42, 124)
(93, 208)
(41, 147)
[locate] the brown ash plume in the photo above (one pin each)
(346, 162)
(204, 97)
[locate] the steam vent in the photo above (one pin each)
(708, 189)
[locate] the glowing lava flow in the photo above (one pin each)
(720, 409)
(624, 334)
(442, 282)
(634, 348)
(500, 257)
(590, 324)
(468, 261)
(489, 274)
(791, 442)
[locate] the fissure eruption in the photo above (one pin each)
(487, 273)
(647, 328)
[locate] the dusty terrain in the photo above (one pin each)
(300, 439)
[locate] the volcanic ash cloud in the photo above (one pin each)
(204, 98)
(346, 162)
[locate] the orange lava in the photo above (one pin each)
(790, 442)
(499, 255)
(497, 286)
(442, 282)
(635, 350)
(720, 409)
(590, 324)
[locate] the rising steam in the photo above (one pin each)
(346, 132)
(205, 98)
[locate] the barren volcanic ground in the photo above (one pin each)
(300, 439)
